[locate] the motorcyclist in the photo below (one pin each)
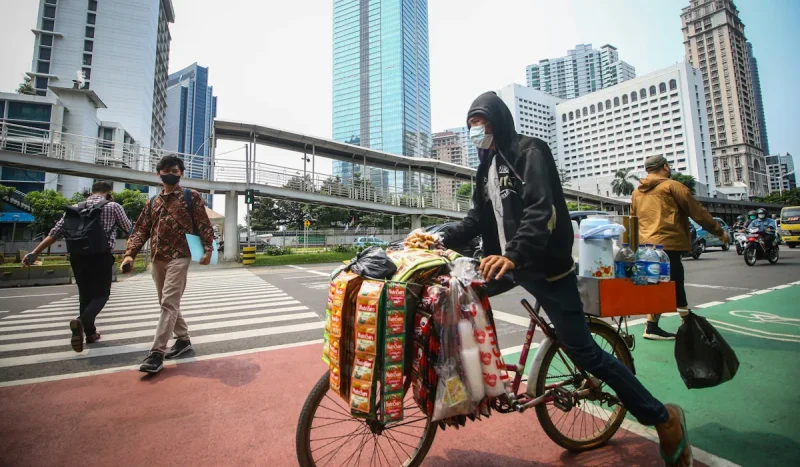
(751, 216)
(738, 226)
(766, 225)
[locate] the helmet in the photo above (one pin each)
(761, 213)
(751, 214)
(740, 218)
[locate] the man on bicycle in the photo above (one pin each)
(520, 210)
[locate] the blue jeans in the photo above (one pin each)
(562, 303)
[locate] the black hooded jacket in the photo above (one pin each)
(537, 224)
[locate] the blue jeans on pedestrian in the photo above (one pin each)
(562, 303)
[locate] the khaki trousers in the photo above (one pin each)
(170, 279)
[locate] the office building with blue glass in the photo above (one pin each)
(381, 83)
(191, 108)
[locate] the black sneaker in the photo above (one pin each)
(655, 333)
(178, 348)
(76, 326)
(153, 363)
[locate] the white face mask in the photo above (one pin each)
(479, 137)
(761, 216)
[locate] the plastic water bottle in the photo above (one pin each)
(624, 263)
(665, 267)
(640, 273)
(648, 265)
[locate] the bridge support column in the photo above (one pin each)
(416, 221)
(231, 234)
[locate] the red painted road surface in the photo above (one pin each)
(237, 411)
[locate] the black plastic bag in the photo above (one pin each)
(704, 358)
(373, 263)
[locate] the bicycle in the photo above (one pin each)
(561, 392)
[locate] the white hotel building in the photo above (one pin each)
(534, 113)
(618, 127)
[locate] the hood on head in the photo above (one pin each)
(496, 111)
(652, 181)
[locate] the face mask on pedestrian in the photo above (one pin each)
(479, 137)
(762, 216)
(170, 179)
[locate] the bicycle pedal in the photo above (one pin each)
(562, 399)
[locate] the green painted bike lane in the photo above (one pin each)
(752, 419)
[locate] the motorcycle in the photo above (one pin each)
(697, 245)
(758, 249)
(740, 240)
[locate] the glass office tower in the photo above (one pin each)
(381, 83)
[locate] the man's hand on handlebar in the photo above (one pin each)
(494, 267)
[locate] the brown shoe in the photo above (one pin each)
(77, 335)
(93, 339)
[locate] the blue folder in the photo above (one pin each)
(196, 247)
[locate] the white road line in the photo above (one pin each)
(167, 363)
(780, 287)
(33, 295)
(146, 314)
(706, 305)
(145, 346)
(320, 273)
(152, 291)
(720, 287)
(509, 318)
(296, 267)
(127, 305)
(759, 292)
(149, 332)
(753, 331)
(306, 276)
(205, 315)
(738, 297)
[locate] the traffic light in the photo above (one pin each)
(249, 196)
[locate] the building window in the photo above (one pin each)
(43, 67)
(88, 46)
(571, 116)
(44, 53)
(662, 87)
(564, 117)
(616, 102)
(652, 90)
(673, 85)
(92, 5)
(48, 24)
(41, 83)
(608, 104)
(87, 73)
(599, 106)
(90, 18)
(90, 32)
(633, 96)
(624, 99)
(50, 2)
(46, 39)
(49, 12)
(87, 59)
(585, 112)
(592, 108)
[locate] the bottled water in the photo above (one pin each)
(648, 265)
(625, 263)
(665, 267)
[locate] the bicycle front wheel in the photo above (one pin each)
(592, 419)
(327, 435)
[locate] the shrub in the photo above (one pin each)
(279, 251)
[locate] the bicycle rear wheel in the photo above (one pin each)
(327, 435)
(587, 424)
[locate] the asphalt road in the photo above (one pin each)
(244, 310)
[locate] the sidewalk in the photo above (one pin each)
(234, 411)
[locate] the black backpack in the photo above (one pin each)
(83, 229)
(187, 198)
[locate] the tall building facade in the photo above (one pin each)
(191, 109)
(781, 173)
(762, 121)
(534, 113)
(448, 147)
(381, 82)
(715, 43)
(469, 147)
(582, 71)
(120, 47)
(617, 128)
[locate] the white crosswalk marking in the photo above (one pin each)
(227, 311)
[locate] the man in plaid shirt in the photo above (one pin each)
(92, 271)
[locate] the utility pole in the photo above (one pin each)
(247, 185)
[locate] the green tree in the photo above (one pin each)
(6, 191)
(132, 201)
(26, 87)
(47, 207)
(262, 216)
(465, 189)
(687, 180)
(78, 197)
(573, 206)
(621, 185)
(788, 197)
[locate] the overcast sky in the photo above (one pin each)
(270, 61)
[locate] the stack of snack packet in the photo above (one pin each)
(393, 327)
(340, 321)
(364, 381)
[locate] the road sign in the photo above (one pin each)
(307, 223)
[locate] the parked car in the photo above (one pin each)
(365, 241)
(706, 239)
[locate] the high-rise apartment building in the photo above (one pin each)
(469, 148)
(191, 108)
(448, 147)
(715, 43)
(534, 113)
(781, 173)
(617, 128)
(762, 121)
(120, 47)
(582, 71)
(381, 82)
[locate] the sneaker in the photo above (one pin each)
(92, 339)
(655, 333)
(76, 326)
(153, 363)
(179, 348)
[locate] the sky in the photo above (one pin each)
(270, 61)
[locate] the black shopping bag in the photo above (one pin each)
(704, 358)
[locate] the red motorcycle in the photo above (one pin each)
(756, 248)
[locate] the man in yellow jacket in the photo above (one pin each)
(664, 207)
